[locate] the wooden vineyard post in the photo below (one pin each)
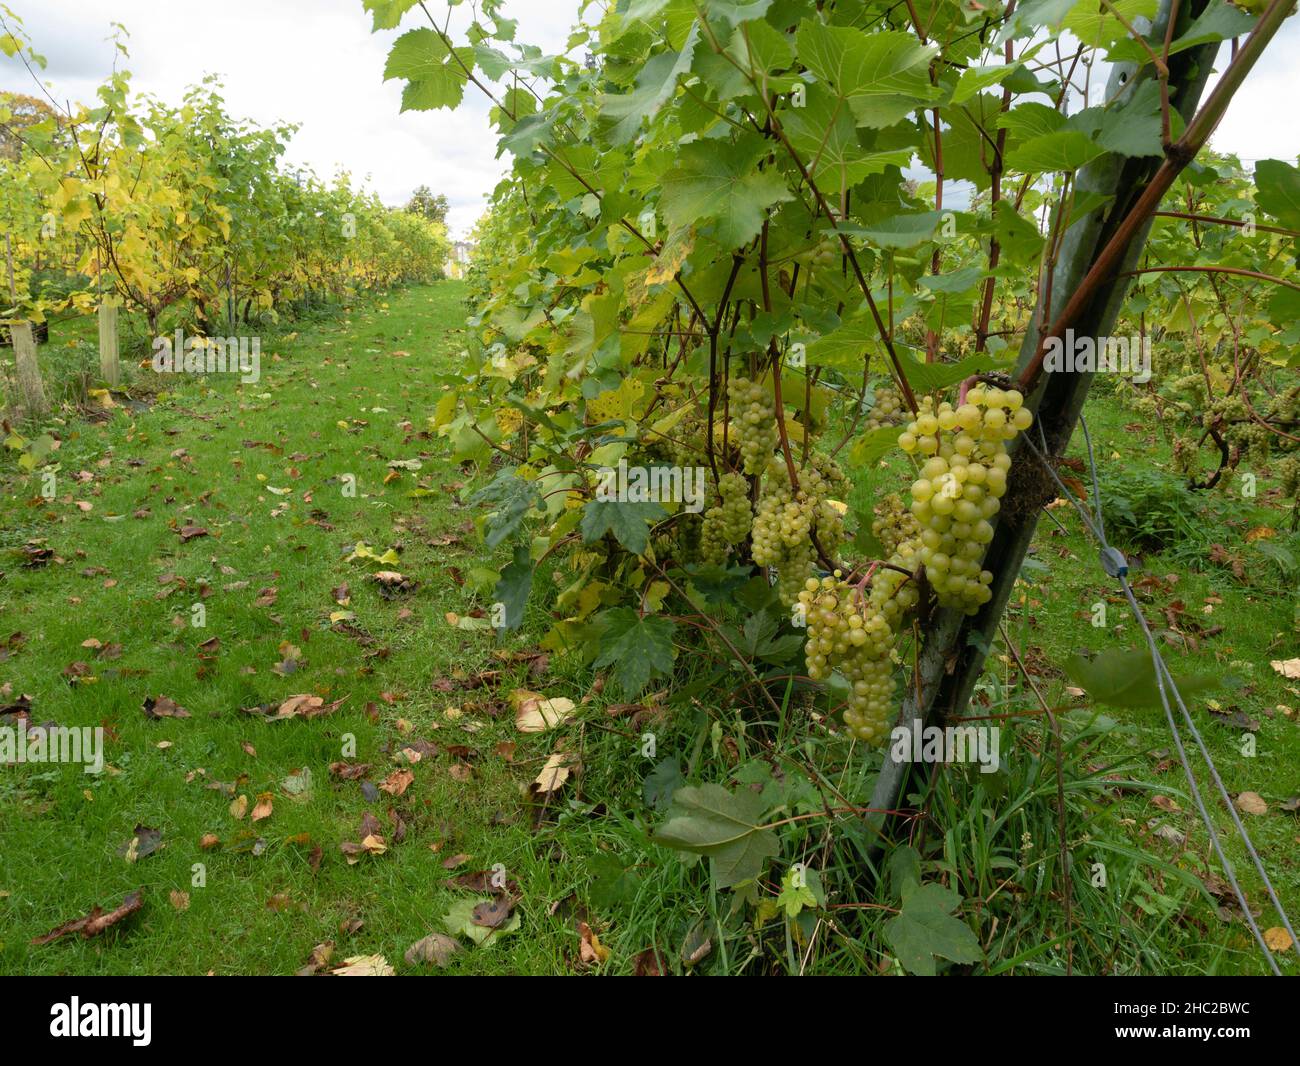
(955, 646)
(31, 393)
(110, 368)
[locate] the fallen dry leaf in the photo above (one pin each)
(646, 964)
(1251, 803)
(364, 966)
(396, 783)
(162, 707)
(320, 958)
(239, 806)
(435, 948)
(180, 900)
(265, 804)
(1286, 667)
(95, 922)
(555, 772)
(591, 952)
(534, 713)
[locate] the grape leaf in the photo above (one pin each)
(898, 230)
(1278, 185)
(655, 84)
(627, 521)
(709, 820)
(1218, 22)
(513, 589)
(513, 497)
(884, 75)
(976, 79)
(1063, 150)
(724, 188)
(926, 377)
(926, 929)
(1127, 678)
(638, 648)
(387, 13)
(432, 72)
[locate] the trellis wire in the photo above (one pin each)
(1115, 565)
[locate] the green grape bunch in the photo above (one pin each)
(886, 408)
(963, 476)
(846, 633)
(753, 422)
(786, 521)
(728, 523)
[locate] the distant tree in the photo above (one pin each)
(423, 202)
(24, 111)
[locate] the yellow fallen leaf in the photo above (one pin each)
(264, 806)
(1277, 939)
(239, 806)
(364, 966)
(537, 714)
(590, 950)
(555, 772)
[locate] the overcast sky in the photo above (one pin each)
(315, 62)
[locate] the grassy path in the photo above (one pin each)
(265, 470)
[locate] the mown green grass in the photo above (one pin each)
(331, 402)
(335, 399)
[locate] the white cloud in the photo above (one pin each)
(312, 62)
(315, 62)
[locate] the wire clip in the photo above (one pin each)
(1113, 562)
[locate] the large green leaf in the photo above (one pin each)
(884, 76)
(655, 84)
(722, 185)
(1133, 127)
(926, 929)
(387, 13)
(927, 377)
(1063, 150)
(826, 138)
(725, 826)
(873, 445)
(627, 521)
(637, 648)
(1218, 22)
(1127, 678)
(511, 498)
(899, 230)
(975, 80)
(432, 72)
(845, 348)
(516, 584)
(1278, 185)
